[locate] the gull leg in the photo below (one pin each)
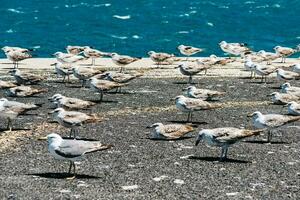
(70, 167)
(63, 79)
(188, 119)
(101, 95)
(72, 164)
(121, 70)
(9, 124)
(71, 132)
(224, 153)
(68, 78)
(190, 79)
(269, 136)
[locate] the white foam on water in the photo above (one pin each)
(124, 17)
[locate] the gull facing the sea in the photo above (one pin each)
(159, 57)
(93, 53)
(170, 131)
(189, 50)
(72, 150)
(224, 137)
(122, 60)
(271, 121)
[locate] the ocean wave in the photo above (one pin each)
(9, 31)
(15, 10)
(183, 32)
(101, 5)
(136, 37)
(210, 24)
(119, 37)
(124, 17)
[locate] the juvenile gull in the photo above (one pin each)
(188, 50)
(63, 70)
(16, 54)
(75, 50)
(68, 58)
(284, 52)
(271, 121)
(283, 98)
(234, 48)
(73, 119)
(293, 108)
(72, 150)
(122, 60)
(203, 94)
(70, 103)
(264, 71)
(159, 57)
(23, 78)
(224, 137)
(6, 84)
(24, 91)
(93, 53)
(190, 105)
(11, 109)
(268, 56)
(84, 73)
(191, 69)
(170, 131)
(283, 75)
(101, 86)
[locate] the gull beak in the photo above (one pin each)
(149, 126)
(53, 64)
(184, 89)
(51, 112)
(199, 138)
(172, 99)
(42, 138)
(250, 115)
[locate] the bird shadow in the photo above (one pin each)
(15, 129)
(114, 92)
(261, 83)
(73, 86)
(103, 101)
(214, 159)
(264, 142)
(62, 175)
(183, 83)
(185, 122)
(79, 138)
(162, 139)
(275, 87)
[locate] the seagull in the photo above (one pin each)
(283, 75)
(203, 94)
(296, 68)
(63, 70)
(6, 84)
(25, 78)
(293, 108)
(84, 73)
(284, 52)
(159, 57)
(122, 60)
(67, 58)
(72, 119)
(190, 105)
(250, 66)
(264, 71)
(24, 91)
(70, 103)
(268, 56)
(16, 54)
(170, 131)
(93, 53)
(72, 150)
(75, 50)
(224, 137)
(271, 121)
(234, 48)
(283, 98)
(287, 88)
(190, 69)
(103, 85)
(12, 109)
(189, 50)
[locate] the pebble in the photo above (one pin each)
(160, 178)
(130, 187)
(178, 181)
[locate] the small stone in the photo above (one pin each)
(130, 187)
(178, 181)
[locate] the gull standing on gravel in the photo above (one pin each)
(224, 137)
(72, 150)
(271, 121)
(283, 98)
(73, 119)
(159, 57)
(287, 88)
(16, 54)
(75, 50)
(285, 52)
(203, 94)
(293, 108)
(189, 50)
(234, 48)
(93, 53)
(67, 58)
(268, 56)
(101, 86)
(23, 78)
(296, 68)
(63, 70)
(12, 109)
(122, 60)
(191, 69)
(70, 103)
(264, 71)
(6, 84)
(283, 75)
(24, 91)
(190, 105)
(170, 131)
(85, 73)
(250, 66)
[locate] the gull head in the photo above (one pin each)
(56, 97)
(151, 53)
(180, 46)
(202, 134)
(261, 52)
(213, 56)
(180, 97)
(190, 88)
(3, 100)
(57, 54)
(54, 138)
(277, 47)
(113, 54)
(223, 43)
(155, 125)
(255, 115)
(291, 103)
(285, 85)
(56, 111)
(6, 49)
(13, 71)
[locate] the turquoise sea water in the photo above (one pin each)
(134, 27)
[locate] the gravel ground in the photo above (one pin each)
(153, 169)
